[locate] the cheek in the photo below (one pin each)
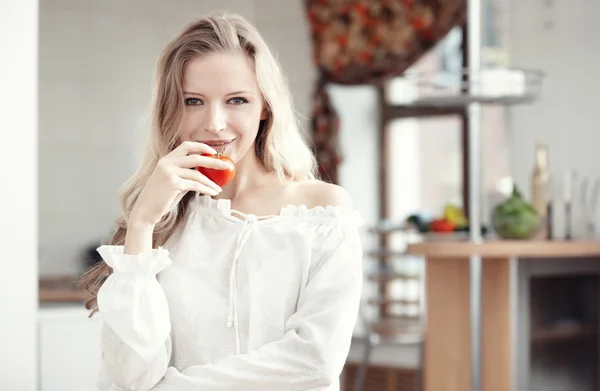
(246, 122)
(186, 128)
(190, 123)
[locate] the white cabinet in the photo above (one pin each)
(69, 349)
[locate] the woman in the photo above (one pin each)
(258, 281)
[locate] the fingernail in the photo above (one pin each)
(218, 188)
(224, 164)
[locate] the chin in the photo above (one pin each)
(247, 156)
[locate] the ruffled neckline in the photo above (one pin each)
(223, 206)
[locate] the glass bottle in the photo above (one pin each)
(540, 180)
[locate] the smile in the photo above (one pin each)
(218, 143)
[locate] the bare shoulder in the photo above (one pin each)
(314, 193)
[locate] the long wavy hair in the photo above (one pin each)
(280, 145)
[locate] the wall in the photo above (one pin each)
(18, 160)
(96, 72)
(562, 41)
(285, 29)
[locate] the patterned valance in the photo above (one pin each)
(360, 42)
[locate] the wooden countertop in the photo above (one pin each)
(506, 248)
(62, 289)
(61, 296)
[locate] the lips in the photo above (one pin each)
(218, 143)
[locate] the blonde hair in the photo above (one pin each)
(280, 146)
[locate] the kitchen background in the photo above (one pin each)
(95, 76)
(96, 63)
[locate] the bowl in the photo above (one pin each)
(521, 226)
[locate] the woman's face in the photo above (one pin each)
(223, 103)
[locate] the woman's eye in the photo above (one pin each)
(193, 102)
(238, 101)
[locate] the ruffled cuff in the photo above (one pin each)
(147, 263)
(132, 303)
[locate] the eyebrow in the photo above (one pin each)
(229, 94)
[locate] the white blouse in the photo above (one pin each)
(234, 302)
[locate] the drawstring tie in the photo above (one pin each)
(232, 318)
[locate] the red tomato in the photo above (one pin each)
(220, 177)
(442, 225)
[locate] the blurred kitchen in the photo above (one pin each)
(411, 150)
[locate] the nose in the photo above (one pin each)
(215, 121)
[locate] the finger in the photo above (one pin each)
(191, 161)
(191, 185)
(194, 175)
(187, 147)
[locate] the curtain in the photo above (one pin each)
(366, 42)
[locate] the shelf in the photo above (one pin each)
(385, 254)
(393, 302)
(395, 327)
(393, 112)
(413, 235)
(389, 226)
(495, 86)
(562, 334)
(390, 276)
(453, 103)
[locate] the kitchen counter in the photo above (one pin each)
(61, 289)
(506, 248)
(447, 359)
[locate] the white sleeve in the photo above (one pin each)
(312, 353)
(136, 347)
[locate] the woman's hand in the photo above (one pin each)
(173, 177)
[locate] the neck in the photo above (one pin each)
(250, 175)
